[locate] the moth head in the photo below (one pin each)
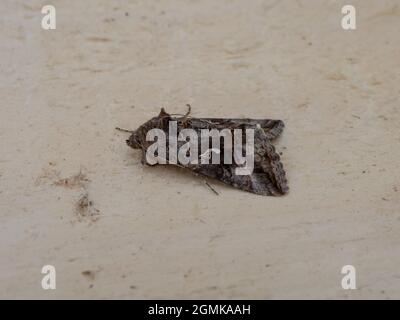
(137, 138)
(134, 141)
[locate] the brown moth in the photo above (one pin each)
(268, 176)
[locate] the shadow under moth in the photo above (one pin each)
(267, 176)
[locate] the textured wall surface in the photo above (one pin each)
(160, 232)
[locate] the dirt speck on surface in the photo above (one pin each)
(338, 76)
(89, 274)
(76, 181)
(46, 175)
(85, 209)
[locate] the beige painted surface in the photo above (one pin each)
(159, 232)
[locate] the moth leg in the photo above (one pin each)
(143, 158)
(211, 188)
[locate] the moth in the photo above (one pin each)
(267, 177)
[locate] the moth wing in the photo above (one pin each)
(267, 178)
(272, 128)
(258, 182)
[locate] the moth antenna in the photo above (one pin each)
(123, 130)
(186, 115)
